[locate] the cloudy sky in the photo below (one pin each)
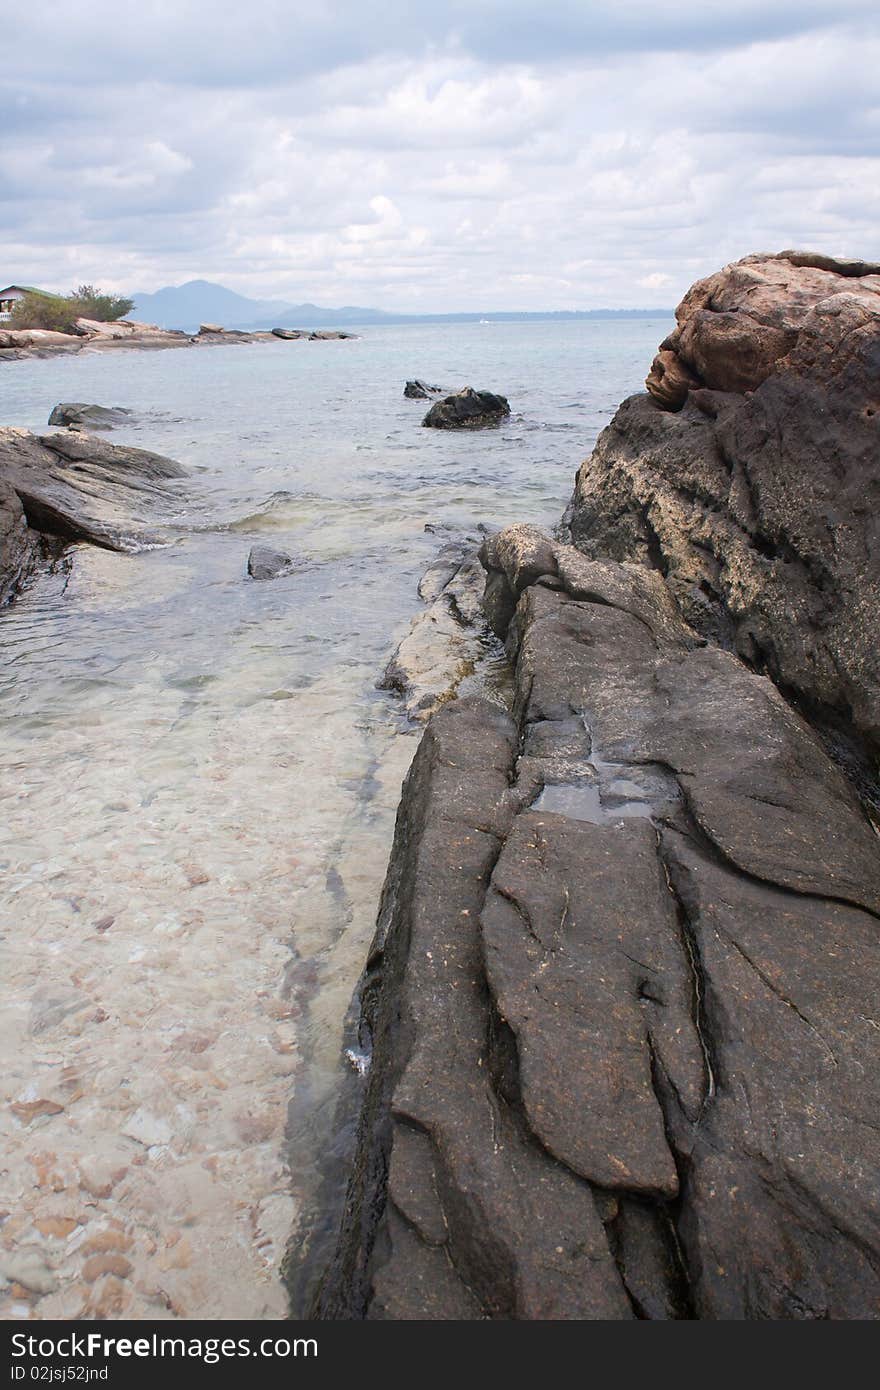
(464, 154)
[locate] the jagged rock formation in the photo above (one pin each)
(56, 489)
(621, 1003)
(759, 497)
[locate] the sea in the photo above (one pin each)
(199, 777)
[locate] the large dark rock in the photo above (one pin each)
(90, 417)
(72, 487)
(624, 982)
(760, 506)
(619, 1004)
(465, 409)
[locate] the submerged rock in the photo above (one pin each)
(467, 408)
(78, 414)
(266, 563)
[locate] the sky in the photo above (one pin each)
(433, 157)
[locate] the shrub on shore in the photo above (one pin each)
(59, 313)
(92, 303)
(55, 312)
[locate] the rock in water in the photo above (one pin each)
(467, 408)
(445, 642)
(90, 417)
(622, 945)
(621, 1001)
(72, 487)
(417, 390)
(266, 563)
(19, 545)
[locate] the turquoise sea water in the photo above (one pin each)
(159, 710)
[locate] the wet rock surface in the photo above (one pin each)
(467, 409)
(266, 563)
(58, 489)
(619, 1008)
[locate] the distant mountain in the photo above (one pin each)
(201, 301)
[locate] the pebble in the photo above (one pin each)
(28, 1268)
(147, 1129)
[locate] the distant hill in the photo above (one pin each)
(202, 301)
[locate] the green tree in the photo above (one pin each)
(92, 303)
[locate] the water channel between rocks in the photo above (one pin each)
(199, 780)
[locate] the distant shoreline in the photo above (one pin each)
(128, 336)
(338, 319)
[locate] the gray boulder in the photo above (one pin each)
(467, 409)
(266, 563)
(80, 415)
(56, 489)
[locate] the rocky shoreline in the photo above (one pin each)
(126, 335)
(620, 1008)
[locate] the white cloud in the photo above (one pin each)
(479, 155)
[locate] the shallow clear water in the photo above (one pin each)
(206, 760)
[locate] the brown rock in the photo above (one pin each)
(103, 1241)
(735, 326)
(59, 1226)
(28, 1110)
(98, 1265)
